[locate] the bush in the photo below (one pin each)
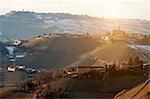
(130, 61)
(137, 61)
(46, 91)
(28, 86)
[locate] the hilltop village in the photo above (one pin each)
(110, 65)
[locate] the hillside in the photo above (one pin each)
(30, 24)
(69, 51)
(86, 85)
(56, 52)
(117, 51)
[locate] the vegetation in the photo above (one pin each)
(32, 84)
(41, 88)
(90, 75)
(6, 91)
(130, 61)
(46, 91)
(135, 61)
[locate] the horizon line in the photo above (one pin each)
(23, 10)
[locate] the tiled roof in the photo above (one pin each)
(138, 92)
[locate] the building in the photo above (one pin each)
(124, 66)
(71, 70)
(83, 69)
(20, 67)
(141, 91)
(12, 69)
(19, 42)
(118, 33)
(115, 35)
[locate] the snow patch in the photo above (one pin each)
(146, 47)
(37, 16)
(132, 46)
(10, 49)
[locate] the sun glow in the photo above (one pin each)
(99, 8)
(113, 10)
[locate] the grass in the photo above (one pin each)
(19, 95)
(6, 91)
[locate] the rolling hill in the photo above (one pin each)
(117, 50)
(57, 52)
(109, 53)
(69, 51)
(25, 24)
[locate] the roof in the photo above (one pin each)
(136, 92)
(90, 67)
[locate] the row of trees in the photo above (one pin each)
(134, 61)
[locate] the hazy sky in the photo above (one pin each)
(101, 8)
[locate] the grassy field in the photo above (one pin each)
(18, 95)
(5, 91)
(11, 93)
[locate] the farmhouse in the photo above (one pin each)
(71, 70)
(83, 69)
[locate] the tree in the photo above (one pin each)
(130, 61)
(141, 64)
(116, 64)
(137, 61)
(28, 86)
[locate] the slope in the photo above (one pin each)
(117, 51)
(56, 52)
(25, 24)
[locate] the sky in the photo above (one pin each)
(131, 9)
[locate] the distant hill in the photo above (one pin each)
(25, 25)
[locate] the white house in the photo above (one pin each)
(11, 69)
(17, 42)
